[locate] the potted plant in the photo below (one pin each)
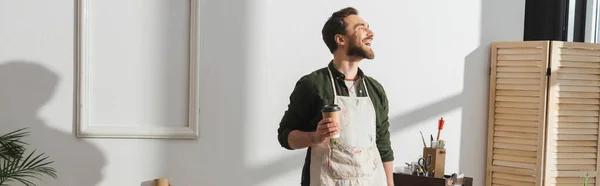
(16, 165)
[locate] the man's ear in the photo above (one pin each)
(339, 39)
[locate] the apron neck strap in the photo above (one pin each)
(333, 85)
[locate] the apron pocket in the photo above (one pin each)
(351, 162)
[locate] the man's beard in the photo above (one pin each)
(357, 51)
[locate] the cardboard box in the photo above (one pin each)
(438, 161)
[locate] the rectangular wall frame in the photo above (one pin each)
(92, 115)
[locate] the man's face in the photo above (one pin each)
(359, 38)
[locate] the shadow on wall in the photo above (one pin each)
(473, 101)
(494, 28)
(218, 157)
(474, 98)
(473, 138)
(26, 87)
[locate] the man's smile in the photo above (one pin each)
(368, 41)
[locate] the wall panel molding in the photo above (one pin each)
(92, 79)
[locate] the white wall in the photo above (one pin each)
(432, 58)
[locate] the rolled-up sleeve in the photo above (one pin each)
(383, 132)
(298, 113)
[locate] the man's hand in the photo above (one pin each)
(326, 129)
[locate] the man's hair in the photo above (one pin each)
(336, 25)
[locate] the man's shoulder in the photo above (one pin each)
(374, 83)
(310, 82)
(376, 90)
(315, 77)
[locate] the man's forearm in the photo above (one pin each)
(299, 139)
(389, 172)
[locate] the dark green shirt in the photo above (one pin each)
(313, 91)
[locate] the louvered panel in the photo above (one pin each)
(583, 95)
(577, 52)
(517, 113)
(578, 181)
(566, 155)
(577, 119)
(577, 89)
(515, 122)
(522, 129)
(517, 93)
(583, 101)
(579, 64)
(575, 57)
(515, 135)
(517, 99)
(571, 174)
(504, 51)
(578, 70)
(518, 81)
(564, 168)
(578, 113)
(519, 75)
(519, 69)
(578, 126)
(573, 114)
(519, 153)
(515, 105)
(519, 87)
(515, 57)
(519, 63)
(566, 130)
(517, 117)
(516, 140)
(578, 76)
(572, 136)
(592, 83)
(577, 107)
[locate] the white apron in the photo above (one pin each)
(353, 158)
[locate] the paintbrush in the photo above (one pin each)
(423, 138)
(440, 127)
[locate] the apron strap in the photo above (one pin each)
(333, 84)
(365, 84)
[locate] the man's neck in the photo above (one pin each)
(348, 67)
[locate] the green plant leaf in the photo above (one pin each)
(30, 167)
(11, 145)
(587, 175)
(14, 167)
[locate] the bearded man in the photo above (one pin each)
(360, 153)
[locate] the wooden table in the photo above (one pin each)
(410, 180)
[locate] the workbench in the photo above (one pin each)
(412, 180)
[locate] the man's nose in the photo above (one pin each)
(370, 32)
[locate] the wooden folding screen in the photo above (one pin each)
(543, 114)
(574, 105)
(517, 115)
